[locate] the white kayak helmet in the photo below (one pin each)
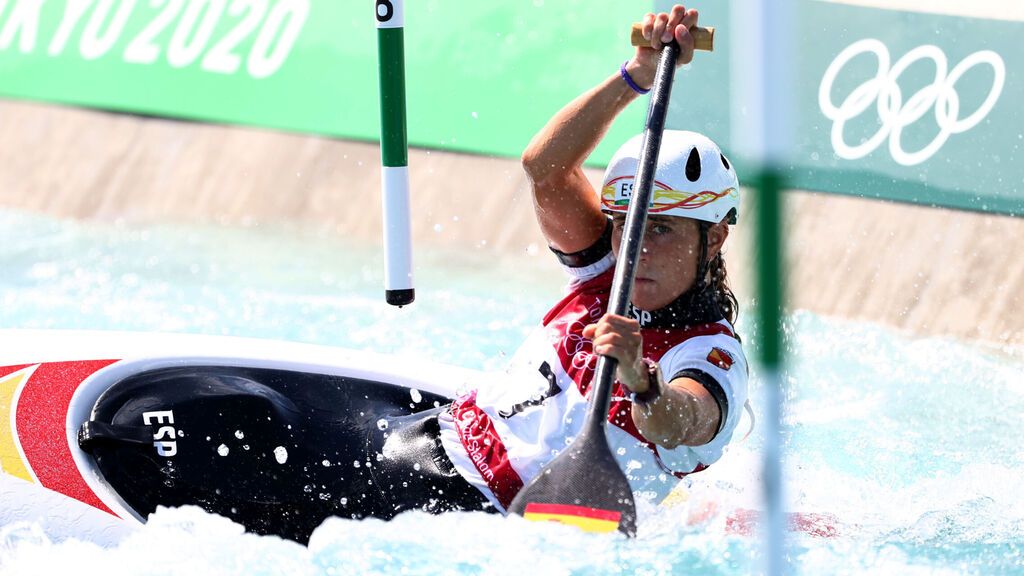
(693, 179)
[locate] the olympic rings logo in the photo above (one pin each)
(584, 361)
(895, 113)
(573, 336)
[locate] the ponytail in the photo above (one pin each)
(720, 286)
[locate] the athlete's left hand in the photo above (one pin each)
(619, 337)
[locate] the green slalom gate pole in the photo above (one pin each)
(398, 286)
(770, 287)
(762, 92)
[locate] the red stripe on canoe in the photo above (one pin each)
(41, 420)
(8, 370)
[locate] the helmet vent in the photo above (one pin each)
(725, 162)
(693, 166)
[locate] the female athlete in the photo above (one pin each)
(681, 370)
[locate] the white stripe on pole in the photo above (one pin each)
(762, 81)
(390, 13)
(397, 225)
(773, 527)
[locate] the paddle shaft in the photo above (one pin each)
(584, 485)
(636, 222)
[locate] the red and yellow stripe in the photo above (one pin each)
(34, 400)
(584, 517)
(12, 461)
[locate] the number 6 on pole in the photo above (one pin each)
(390, 16)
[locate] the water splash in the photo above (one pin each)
(921, 475)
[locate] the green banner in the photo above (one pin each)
(895, 105)
(903, 106)
(482, 77)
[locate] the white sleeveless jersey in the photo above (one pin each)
(499, 437)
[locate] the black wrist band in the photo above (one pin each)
(653, 384)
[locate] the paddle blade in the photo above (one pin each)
(582, 487)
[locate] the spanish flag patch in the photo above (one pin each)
(589, 519)
(720, 358)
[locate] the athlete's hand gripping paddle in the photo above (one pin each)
(703, 38)
(584, 485)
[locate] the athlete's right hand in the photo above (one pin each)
(620, 338)
(659, 29)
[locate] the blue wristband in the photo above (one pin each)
(629, 80)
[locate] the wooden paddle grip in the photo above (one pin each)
(703, 38)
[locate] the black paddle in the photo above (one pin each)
(584, 485)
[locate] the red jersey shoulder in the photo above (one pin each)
(585, 293)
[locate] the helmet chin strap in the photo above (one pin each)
(697, 305)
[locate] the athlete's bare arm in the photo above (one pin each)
(567, 206)
(684, 414)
